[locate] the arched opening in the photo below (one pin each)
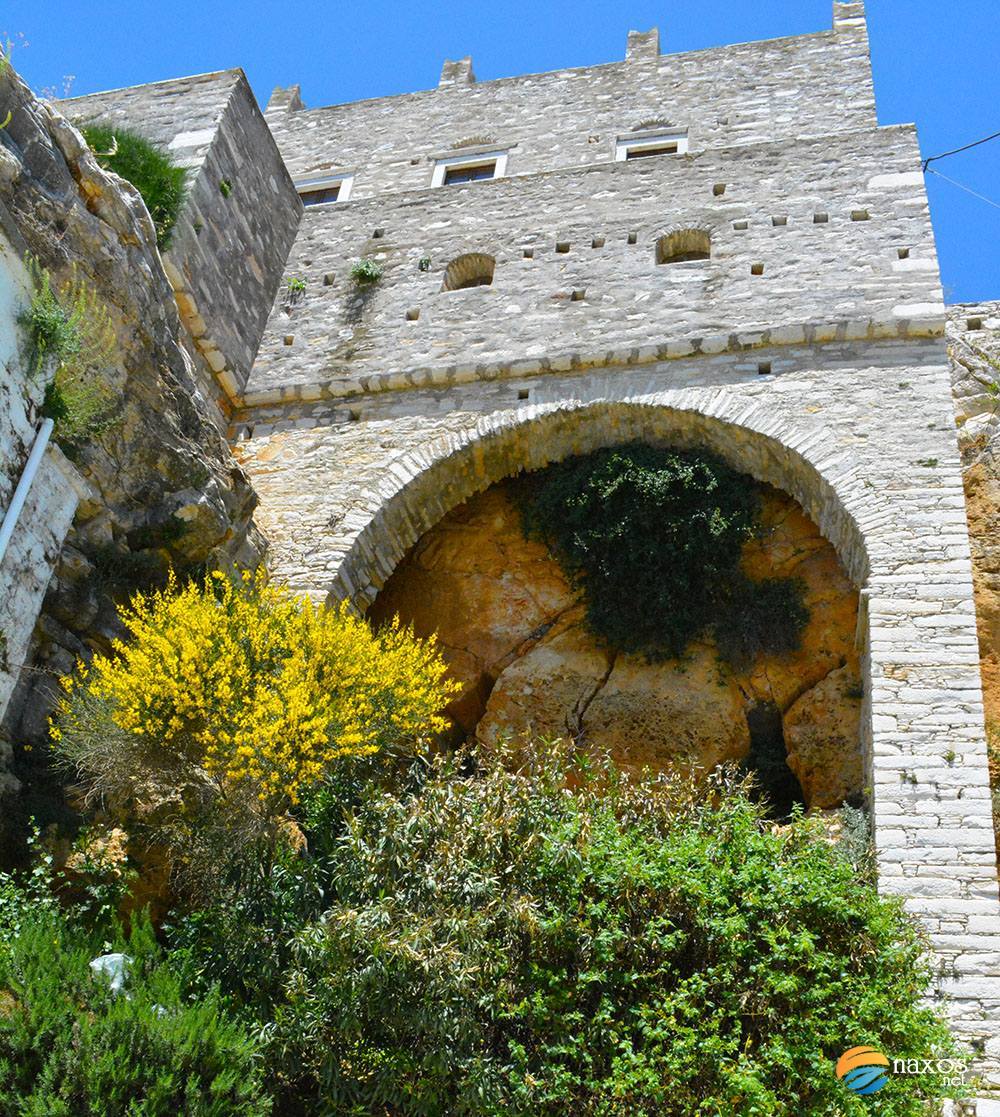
(474, 269)
(683, 244)
(520, 637)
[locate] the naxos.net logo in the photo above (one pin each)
(863, 1070)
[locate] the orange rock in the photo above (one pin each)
(823, 741)
(484, 589)
(656, 714)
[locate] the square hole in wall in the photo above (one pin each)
(562, 246)
(289, 338)
(756, 269)
(739, 226)
(903, 253)
(763, 368)
(328, 279)
(524, 393)
(973, 323)
(719, 189)
(860, 215)
(529, 254)
(779, 220)
(578, 295)
(820, 218)
(413, 314)
(597, 242)
(632, 238)
(378, 233)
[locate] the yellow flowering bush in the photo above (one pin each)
(259, 689)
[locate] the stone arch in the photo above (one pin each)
(426, 484)
(680, 244)
(474, 269)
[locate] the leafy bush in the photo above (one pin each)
(654, 537)
(70, 1047)
(366, 272)
(500, 944)
(151, 171)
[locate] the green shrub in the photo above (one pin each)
(366, 272)
(151, 171)
(70, 1047)
(499, 944)
(53, 334)
(655, 537)
(69, 332)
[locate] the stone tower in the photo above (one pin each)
(718, 249)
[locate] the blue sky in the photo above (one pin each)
(935, 64)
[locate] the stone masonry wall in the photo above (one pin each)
(750, 93)
(587, 294)
(227, 254)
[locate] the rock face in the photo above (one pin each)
(164, 486)
(514, 633)
(974, 347)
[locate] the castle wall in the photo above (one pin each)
(750, 93)
(228, 250)
(338, 339)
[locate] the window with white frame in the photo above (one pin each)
(640, 145)
(324, 189)
(457, 169)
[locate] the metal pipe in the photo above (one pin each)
(21, 492)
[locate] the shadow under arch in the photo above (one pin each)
(422, 486)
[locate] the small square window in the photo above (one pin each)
(459, 169)
(320, 197)
(903, 253)
(453, 175)
(644, 145)
(326, 190)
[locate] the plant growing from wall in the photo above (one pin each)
(654, 537)
(151, 171)
(53, 332)
(366, 272)
(70, 335)
(295, 289)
